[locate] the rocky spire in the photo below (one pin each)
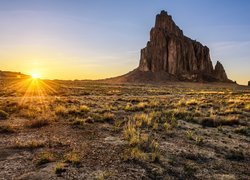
(170, 51)
(219, 72)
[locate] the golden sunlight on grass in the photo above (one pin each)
(33, 89)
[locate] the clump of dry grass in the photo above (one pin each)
(191, 135)
(75, 111)
(11, 107)
(136, 107)
(73, 158)
(219, 121)
(108, 117)
(178, 114)
(61, 110)
(31, 112)
(29, 144)
(192, 102)
(45, 157)
(105, 117)
(37, 123)
(103, 175)
(6, 129)
(142, 120)
(3, 115)
(243, 130)
(142, 147)
(84, 109)
(79, 122)
(60, 168)
(247, 107)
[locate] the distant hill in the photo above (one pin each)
(12, 75)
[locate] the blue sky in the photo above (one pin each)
(87, 39)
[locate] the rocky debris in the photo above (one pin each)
(170, 51)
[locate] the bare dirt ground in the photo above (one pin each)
(87, 130)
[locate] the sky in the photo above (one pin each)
(92, 39)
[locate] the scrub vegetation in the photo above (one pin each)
(89, 130)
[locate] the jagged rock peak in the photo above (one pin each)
(219, 72)
(165, 21)
(171, 52)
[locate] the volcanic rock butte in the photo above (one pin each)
(171, 56)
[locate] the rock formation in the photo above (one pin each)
(219, 72)
(171, 56)
(248, 83)
(170, 51)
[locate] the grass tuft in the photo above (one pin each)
(3, 115)
(6, 129)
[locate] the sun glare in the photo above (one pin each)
(35, 76)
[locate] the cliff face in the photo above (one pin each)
(170, 51)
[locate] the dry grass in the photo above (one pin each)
(3, 115)
(45, 157)
(60, 168)
(29, 144)
(6, 129)
(73, 158)
(37, 123)
(142, 131)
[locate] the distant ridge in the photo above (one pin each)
(171, 56)
(12, 75)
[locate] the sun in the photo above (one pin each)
(35, 76)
